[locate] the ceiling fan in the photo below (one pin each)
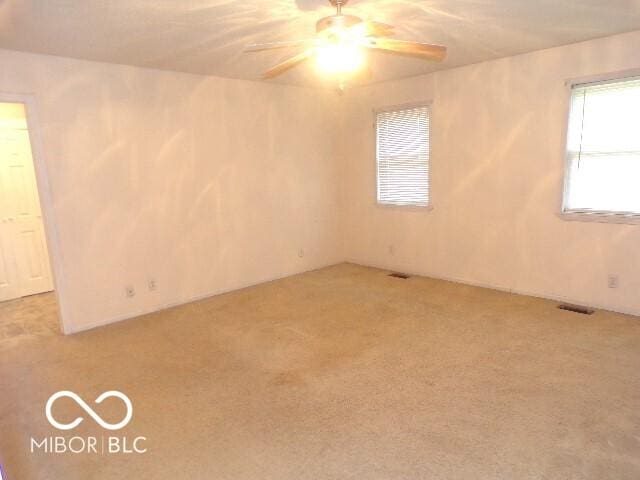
(340, 43)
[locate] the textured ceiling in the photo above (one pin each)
(207, 36)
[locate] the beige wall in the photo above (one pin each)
(497, 168)
(201, 183)
(206, 184)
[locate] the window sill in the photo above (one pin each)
(414, 208)
(601, 217)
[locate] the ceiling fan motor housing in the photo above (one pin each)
(337, 22)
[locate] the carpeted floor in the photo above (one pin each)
(27, 317)
(341, 373)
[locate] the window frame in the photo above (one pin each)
(391, 108)
(602, 216)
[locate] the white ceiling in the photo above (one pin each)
(207, 36)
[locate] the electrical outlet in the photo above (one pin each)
(613, 281)
(301, 252)
(130, 291)
(152, 285)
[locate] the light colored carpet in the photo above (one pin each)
(23, 318)
(341, 373)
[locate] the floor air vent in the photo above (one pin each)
(576, 309)
(403, 276)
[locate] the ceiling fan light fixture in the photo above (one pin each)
(339, 58)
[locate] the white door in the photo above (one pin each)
(22, 233)
(9, 285)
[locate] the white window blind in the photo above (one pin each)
(403, 156)
(603, 148)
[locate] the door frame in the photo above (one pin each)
(46, 202)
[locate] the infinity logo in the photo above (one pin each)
(89, 410)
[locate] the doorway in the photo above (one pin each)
(25, 272)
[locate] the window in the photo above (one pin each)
(603, 149)
(402, 153)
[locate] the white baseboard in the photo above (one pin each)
(184, 301)
(195, 298)
(545, 295)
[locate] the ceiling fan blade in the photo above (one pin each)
(372, 29)
(378, 29)
(259, 47)
(287, 64)
(436, 53)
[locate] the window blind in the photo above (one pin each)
(603, 148)
(403, 156)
